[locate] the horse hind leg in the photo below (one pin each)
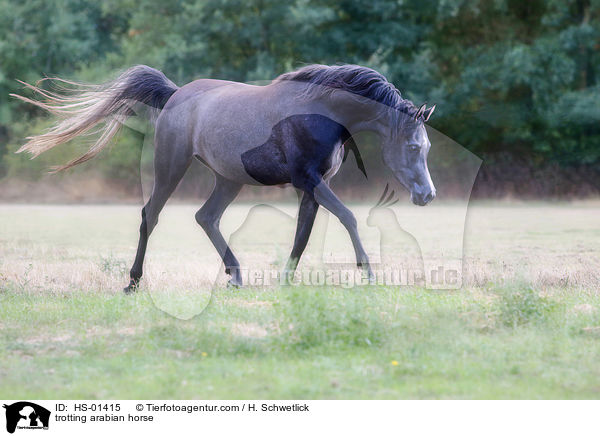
(168, 174)
(209, 217)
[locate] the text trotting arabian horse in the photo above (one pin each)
(290, 131)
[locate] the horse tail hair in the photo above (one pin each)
(83, 106)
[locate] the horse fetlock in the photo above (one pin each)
(368, 272)
(287, 276)
(135, 274)
(132, 286)
(236, 277)
(366, 268)
(234, 272)
(363, 262)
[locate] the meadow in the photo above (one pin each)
(525, 323)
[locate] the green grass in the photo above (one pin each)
(66, 330)
(302, 343)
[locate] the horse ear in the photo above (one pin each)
(428, 113)
(420, 111)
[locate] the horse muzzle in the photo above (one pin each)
(422, 199)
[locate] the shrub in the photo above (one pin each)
(315, 317)
(523, 306)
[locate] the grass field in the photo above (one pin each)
(526, 323)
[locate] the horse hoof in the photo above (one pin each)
(233, 284)
(371, 279)
(131, 287)
(287, 278)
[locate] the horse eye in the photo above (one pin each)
(414, 147)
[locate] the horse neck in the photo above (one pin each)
(359, 114)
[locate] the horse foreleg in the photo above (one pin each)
(209, 217)
(306, 218)
(327, 198)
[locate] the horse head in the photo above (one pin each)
(405, 153)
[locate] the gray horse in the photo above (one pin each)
(295, 130)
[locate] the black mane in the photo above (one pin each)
(358, 80)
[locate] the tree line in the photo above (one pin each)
(510, 78)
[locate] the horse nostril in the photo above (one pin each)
(429, 197)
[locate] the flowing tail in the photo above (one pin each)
(84, 106)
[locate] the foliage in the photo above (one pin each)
(511, 76)
(326, 317)
(518, 307)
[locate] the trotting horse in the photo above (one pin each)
(290, 131)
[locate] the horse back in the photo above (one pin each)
(192, 89)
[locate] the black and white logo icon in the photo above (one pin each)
(26, 415)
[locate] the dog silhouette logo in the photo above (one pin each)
(26, 415)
